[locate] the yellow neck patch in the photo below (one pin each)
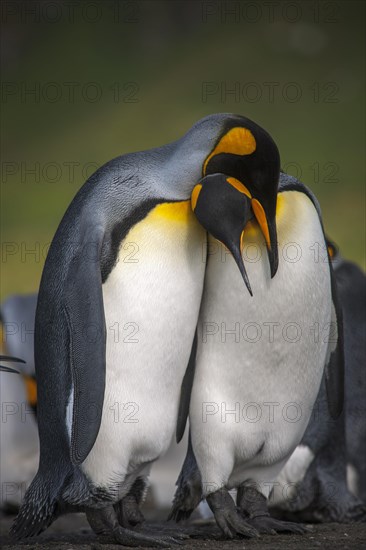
(237, 141)
(279, 205)
(173, 211)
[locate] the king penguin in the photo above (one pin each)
(327, 471)
(260, 358)
(116, 316)
(19, 433)
(17, 314)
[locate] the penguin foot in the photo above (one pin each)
(254, 509)
(152, 529)
(126, 537)
(319, 514)
(128, 512)
(267, 525)
(227, 517)
(356, 513)
(104, 523)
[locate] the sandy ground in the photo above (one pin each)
(73, 532)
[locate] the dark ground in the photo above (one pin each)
(72, 532)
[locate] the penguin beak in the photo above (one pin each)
(224, 213)
(236, 251)
(267, 224)
(266, 221)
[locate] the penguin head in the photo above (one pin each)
(246, 153)
(333, 250)
(223, 208)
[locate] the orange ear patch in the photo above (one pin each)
(237, 141)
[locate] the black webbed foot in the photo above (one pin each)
(227, 518)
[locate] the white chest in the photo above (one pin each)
(260, 359)
(151, 303)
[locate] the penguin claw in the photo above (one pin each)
(233, 526)
(164, 533)
(173, 540)
(357, 513)
(169, 532)
(126, 537)
(271, 526)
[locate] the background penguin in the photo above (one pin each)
(19, 433)
(12, 352)
(17, 314)
(253, 391)
(328, 470)
(351, 285)
(116, 316)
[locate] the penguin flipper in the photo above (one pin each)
(3, 368)
(185, 392)
(84, 311)
(12, 359)
(188, 494)
(335, 368)
(7, 369)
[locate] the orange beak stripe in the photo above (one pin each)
(239, 186)
(262, 220)
(242, 242)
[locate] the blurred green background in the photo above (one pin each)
(113, 77)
